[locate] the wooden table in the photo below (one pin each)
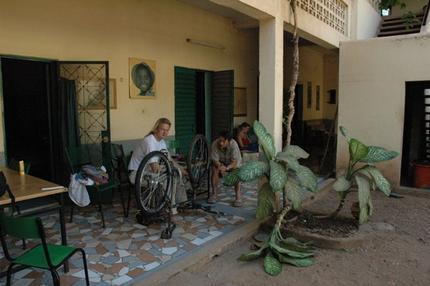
(26, 187)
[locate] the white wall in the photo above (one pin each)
(314, 29)
(116, 30)
(372, 80)
(365, 20)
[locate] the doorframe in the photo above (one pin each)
(3, 126)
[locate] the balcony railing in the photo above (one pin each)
(332, 12)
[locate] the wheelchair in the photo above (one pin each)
(155, 185)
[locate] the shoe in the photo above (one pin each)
(237, 203)
(212, 199)
(174, 211)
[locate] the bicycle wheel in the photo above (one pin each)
(198, 160)
(153, 181)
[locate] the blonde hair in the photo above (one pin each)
(157, 124)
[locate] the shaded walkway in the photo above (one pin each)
(126, 252)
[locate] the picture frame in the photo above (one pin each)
(317, 97)
(96, 99)
(142, 78)
(309, 95)
(240, 102)
(112, 93)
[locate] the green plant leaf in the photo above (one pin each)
(292, 163)
(378, 154)
(363, 197)
(293, 194)
(341, 184)
(357, 150)
(252, 170)
(344, 132)
(272, 266)
(254, 254)
(286, 251)
(265, 201)
(295, 151)
(265, 139)
(293, 244)
(278, 176)
(379, 179)
(307, 178)
(299, 262)
(231, 178)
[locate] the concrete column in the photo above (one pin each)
(271, 52)
(426, 27)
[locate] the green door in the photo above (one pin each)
(185, 107)
(222, 102)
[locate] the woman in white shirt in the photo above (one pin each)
(154, 141)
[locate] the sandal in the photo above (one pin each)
(237, 203)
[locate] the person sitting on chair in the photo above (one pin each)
(225, 155)
(153, 141)
(243, 140)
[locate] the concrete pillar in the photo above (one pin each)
(271, 52)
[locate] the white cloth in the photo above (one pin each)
(147, 145)
(78, 192)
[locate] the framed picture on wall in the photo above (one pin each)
(309, 95)
(317, 98)
(142, 78)
(112, 93)
(239, 102)
(97, 97)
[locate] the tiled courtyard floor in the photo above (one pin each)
(125, 251)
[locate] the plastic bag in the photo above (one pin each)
(78, 192)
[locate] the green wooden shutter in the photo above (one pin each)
(222, 102)
(185, 107)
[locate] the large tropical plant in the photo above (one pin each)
(282, 172)
(363, 174)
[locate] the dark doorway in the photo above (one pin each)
(203, 104)
(26, 89)
(315, 135)
(298, 124)
(416, 130)
(200, 103)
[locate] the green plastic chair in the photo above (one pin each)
(79, 156)
(43, 256)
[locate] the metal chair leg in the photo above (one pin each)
(128, 200)
(99, 198)
(122, 201)
(55, 277)
(71, 212)
(84, 259)
(9, 274)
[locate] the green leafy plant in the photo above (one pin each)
(282, 170)
(278, 250)
(283, 173)
(363, 174)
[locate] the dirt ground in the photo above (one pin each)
(394, 257)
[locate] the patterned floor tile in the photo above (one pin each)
(126, 250)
